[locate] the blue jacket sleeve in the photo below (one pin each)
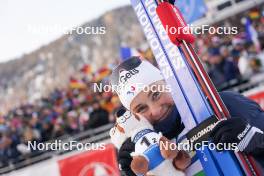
(240, 106)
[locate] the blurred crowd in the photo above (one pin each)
(234, 57)
(78, 108)
(64, 112)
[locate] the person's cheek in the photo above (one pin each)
(161, 105)
(166, 98)
(148, 117)
(145, 114)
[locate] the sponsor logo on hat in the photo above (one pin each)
(124, 75)
(131, 91)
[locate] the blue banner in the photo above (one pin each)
(191, 9)
(125, 53)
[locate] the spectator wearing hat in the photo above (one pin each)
(221, 69)
(98, 117)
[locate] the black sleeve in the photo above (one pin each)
(242, 107)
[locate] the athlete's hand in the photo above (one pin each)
(249, 139)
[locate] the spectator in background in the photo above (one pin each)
(255, 64)
(15, 138)
(238, 49)
(221, 69)
(224, 52)
(256, 59)
(46, 132)
(5, 143)
(72, 126)
(98, 116)
(58, 130)
(216, 42)
(241, 57)
(84, 116)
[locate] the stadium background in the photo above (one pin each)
(52, 98)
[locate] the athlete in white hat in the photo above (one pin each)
(142, 89)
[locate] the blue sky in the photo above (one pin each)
(18, 17)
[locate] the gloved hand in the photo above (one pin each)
(124, 158)
(249, 139)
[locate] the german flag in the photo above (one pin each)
(254, 14)
(76, 84)
(102, 73)
(86, 69)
